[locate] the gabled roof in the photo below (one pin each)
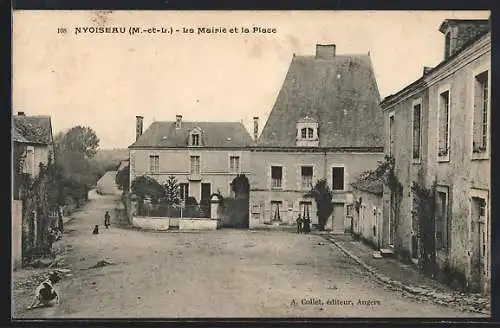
(214, 134)
(307, 119)
(108, 177)
(32, 129)
(340, 93)
(369, 183)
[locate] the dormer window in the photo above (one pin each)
(307, 132)
(195, 137)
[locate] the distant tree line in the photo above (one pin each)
(75, 157)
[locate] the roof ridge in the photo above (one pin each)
(225, 122)
(34, 116)
(332, 58)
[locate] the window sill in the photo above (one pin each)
(443, 159)
(194, 177)
(276, 188)
(480, 156)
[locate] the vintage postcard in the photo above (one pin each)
(256, 164)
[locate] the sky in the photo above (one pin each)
(104, 80)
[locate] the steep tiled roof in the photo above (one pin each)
(214, 134)
(340, 93)
(370, 183)
(32, 129)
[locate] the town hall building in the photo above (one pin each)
(326, 123)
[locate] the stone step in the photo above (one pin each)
(386, 252)
(377, 255)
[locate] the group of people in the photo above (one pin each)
(303, 224)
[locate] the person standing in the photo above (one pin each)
(307, 225)
(107, 220)
(299, 224)
(60, 222)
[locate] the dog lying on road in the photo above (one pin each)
(45, 294)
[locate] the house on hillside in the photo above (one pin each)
(326, 123)
(448, 113)
(106, 185)
(32, 145)
(204, 157)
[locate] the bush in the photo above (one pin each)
(145, 186)
(190, 201)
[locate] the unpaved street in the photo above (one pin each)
(226, 273)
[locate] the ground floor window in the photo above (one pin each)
(442, 219)
(184, 191)
(305, 209)
(349, 210)
(276, 210)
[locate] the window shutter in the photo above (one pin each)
(442, 125)
(283, 177)
(478, 115)
(298, 174)
(314, 176)
(268, 176)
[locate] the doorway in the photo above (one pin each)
(206, 191)
(479, 244)
(338, 218)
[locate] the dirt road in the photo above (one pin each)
(225, 273)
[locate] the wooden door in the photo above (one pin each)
(478, 244)
(205, 199)
(338, 218)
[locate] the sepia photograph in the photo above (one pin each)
(251, 164)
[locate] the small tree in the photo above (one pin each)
(240, 186)
(171, 191)
(323, 196)
(424, 211)
(122, 178)
(145, 186)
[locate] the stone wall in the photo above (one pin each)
(164, 224)
(17, 217)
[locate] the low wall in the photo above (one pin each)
(17, 217)
(163, 224)
(198, 224)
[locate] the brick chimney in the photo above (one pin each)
(255, 127)
(325, 51)
(20, 114)
(138, 126)
(178, 121)
(458, 32)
